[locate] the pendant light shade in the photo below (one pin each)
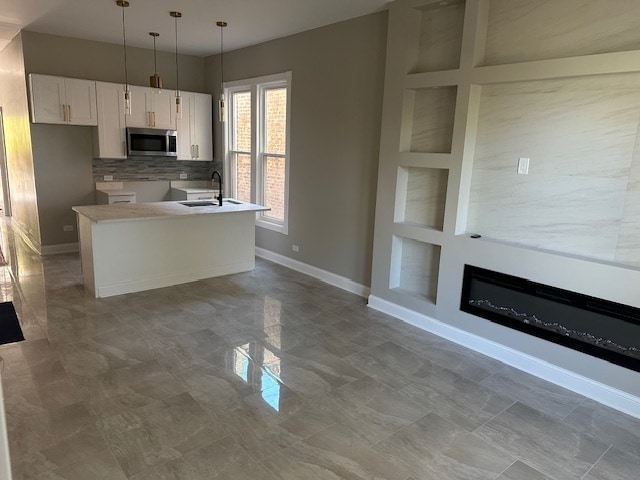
(127, 94)
(176, 16)
(221, 105)
(155, 80)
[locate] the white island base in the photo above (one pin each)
(131, 248)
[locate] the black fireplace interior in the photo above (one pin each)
(607, 330)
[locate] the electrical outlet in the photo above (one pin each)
(183, 176)
(523, 166)
(67, 228)
(108, 178)
(295, 248)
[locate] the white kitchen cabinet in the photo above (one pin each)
(152, 108)
(193, 193)
(195, 127)
(111, 141)
(111, 197)
(61, 100)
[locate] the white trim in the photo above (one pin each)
(315, 272)
(597, 391)
(59, 248)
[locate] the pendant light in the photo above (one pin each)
(222, 25)
(176, 16)
(127, 94)
(155, 80)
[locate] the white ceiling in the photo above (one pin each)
(250, 21)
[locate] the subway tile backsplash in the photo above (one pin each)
(143, 168)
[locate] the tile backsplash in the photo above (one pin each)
(142, 169)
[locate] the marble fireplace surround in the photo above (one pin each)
(590, 325)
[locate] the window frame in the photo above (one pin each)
(258, 86)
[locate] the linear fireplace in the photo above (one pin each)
(601, 328)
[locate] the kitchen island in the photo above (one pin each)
(128, 248)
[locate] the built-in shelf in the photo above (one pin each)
(522, 31)
(430, 112)
(416, 267)
(440, 38)
(422, 193)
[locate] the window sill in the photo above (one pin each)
(276, 227)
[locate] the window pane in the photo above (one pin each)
(275, 102)
(241, 121)
(243, 176)
(274, 180)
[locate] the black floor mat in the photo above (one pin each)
(10, 330)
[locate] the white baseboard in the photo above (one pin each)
(59, 248)
(597, 391)
(315, 272)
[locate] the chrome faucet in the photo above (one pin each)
(213, 177)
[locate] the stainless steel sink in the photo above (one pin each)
(207, 203)
(199, 203)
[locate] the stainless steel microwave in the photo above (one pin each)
(151, 142)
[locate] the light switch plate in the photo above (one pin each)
(523, 166)
(183, 176)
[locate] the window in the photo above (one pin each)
(257, 132)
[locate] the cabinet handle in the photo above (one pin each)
(124, 148)
(197, 151)
(69, 107)
(154, 118)
(149, 118)
(64, 113)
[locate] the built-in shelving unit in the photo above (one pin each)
(468, 85)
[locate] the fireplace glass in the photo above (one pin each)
(607, 330)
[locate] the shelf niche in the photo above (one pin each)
(440, 38)
(422, 194)
(429, 116)
(415, 268)
(529, 30)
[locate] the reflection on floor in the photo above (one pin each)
(273, 375)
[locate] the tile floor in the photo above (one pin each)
(273, 375)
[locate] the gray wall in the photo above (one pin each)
(337, 82)
(13, 100)
(72, 57)
(62, 154)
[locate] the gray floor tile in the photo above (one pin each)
(522, 471)
(543, 442)
(535, 392)
(615, 465)
(436, 448)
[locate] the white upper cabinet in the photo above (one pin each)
(62, 100)
(111, 139)
(152, 108)
(195, 127)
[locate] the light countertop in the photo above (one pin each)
(140, 211)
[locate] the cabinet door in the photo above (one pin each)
(111, 123)
(48, 102)
(140, 109)
(202, 127)
(183, 124)
(81, 102)
(163, 108)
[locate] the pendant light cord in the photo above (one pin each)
(177, 77)
(124, 48)
(221, 61)
(155, 64)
